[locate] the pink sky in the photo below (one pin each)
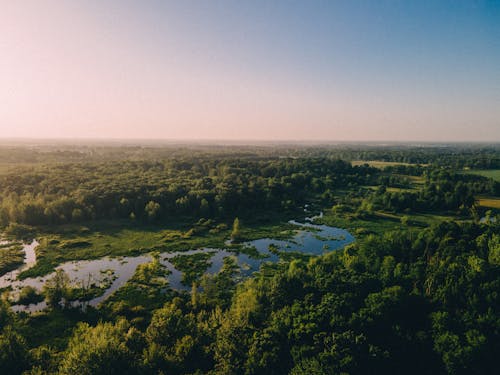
(71, 69)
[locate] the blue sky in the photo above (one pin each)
(290, 70)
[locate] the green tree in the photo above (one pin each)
(152, 210)
(6, 314)
(106, 348)
(405, 220)
(14, 356)
(56, 289)
(236, 233)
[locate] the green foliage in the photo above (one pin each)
(20, 231)
(14, 356)
(144, 292)
(56, 289)
(104, 349)
(29, 295)
(236, 233)
(494, 250)
(152, 210)
(367, 309)
(11, 257)
(192, 266)
(6, 315)
(416, 294)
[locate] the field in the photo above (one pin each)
(489, 202)
(393, 189)
(490, 173)
(378, 164)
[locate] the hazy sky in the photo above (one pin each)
(288, 70)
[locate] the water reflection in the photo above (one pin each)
(309, 239)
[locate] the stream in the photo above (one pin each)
(309, 239)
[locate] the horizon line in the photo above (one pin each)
(250, 141)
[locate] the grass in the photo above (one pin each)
(489, 202)
(192, 266)
(358, 226)
(110, 239)
(92, 288)
(53, 327)
(11, 257)
(391, 189)
(29, 295)
(378, 163)
(415, 180)
(490, 173)
(145, 291)
(380, 222)
(425, 219)
(65, 243)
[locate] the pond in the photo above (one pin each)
(115, 272)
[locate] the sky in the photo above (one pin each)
(306, 70)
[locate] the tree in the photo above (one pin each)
(152, 210)
(204, 208)
(104, 349)
(235, 233)
(405, 220)
(56, 288)
(14, 356)
(6, 314)
(170, 338)
(494, 249)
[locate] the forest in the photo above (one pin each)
(397, 270)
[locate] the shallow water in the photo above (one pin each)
(309, 239)
(29, 261)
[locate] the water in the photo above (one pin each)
(309, 239)
(29, 261)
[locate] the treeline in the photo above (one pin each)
(442, 190)
(453, 156)
(154, 190)
(405, 303)
(457, 155)
(220, 187)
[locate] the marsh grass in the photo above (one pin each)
(59, 244)
(11, 257)
(145, 291)
(192, 266)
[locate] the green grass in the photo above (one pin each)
(415, 180)
(379, 164)
(53, 327)
(11, 257)
(109, 239)
(29, 295)
(93, 289)
(192, 266)
(391, 189)
(145, 291)
(424, 219)
(65, 243)
(490, 173)
(380, 222)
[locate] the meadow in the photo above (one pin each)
(489, 173)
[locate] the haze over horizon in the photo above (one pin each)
(256, 70)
